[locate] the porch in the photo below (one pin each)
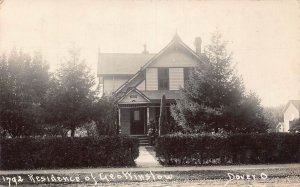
(134, 119)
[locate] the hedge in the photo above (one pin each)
(34, 153)
(207, 149)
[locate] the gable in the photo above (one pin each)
(133, 96)
(291, 112)
(176, 53)
(175, 57)
(295, 103)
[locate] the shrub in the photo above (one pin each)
(163, 124)
(295, 126)
(202, 149)
(153, 132)
(33, 153)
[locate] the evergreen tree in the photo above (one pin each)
(214, 95)
(273, 116)
(70, 97)
(163, 121)
(105, 115)
(23, 82)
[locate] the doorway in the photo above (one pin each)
(137, 118)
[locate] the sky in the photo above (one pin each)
(264, 35)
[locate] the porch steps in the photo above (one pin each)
(143, 140)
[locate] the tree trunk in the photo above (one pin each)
(72, 131)
(216, 129)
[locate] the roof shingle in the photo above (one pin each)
(117, 63)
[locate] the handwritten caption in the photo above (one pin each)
(83, 178)
(233, 176)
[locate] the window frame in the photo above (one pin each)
(163, 79)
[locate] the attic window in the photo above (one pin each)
(163, 78)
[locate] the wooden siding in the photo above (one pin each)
(111, 83)
(176, 77)
(154, 113)
(151, 79)
(125, 121)
(141, 86)
(290, 114)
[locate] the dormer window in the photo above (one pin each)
(163, 78)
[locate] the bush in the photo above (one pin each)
(153, 132)
(202, 149)
(34, 153)
(295, 126)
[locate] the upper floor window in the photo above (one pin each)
(163, 79)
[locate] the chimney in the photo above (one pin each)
(145, 49)
(198, 43)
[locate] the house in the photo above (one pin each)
(290, 112)
(140, 80)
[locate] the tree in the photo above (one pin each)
(105, 115)
(214, 98)
(70, 97)
(295, 126)
(23, 81)
(163, 123)
(245, 117)
(273, 116)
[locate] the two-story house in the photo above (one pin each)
(140, 80)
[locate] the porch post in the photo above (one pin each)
(119, 111)
(148, 119)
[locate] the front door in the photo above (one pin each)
(137, 120)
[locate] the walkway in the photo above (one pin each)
(146, 159)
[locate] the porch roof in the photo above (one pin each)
(156, 95)
(152, 96)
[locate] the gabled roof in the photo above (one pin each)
(138, 92)
(176, 40)
(121, 64)
(296, 103)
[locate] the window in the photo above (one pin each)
(163, 79)
(136, 115)
(176, 76)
